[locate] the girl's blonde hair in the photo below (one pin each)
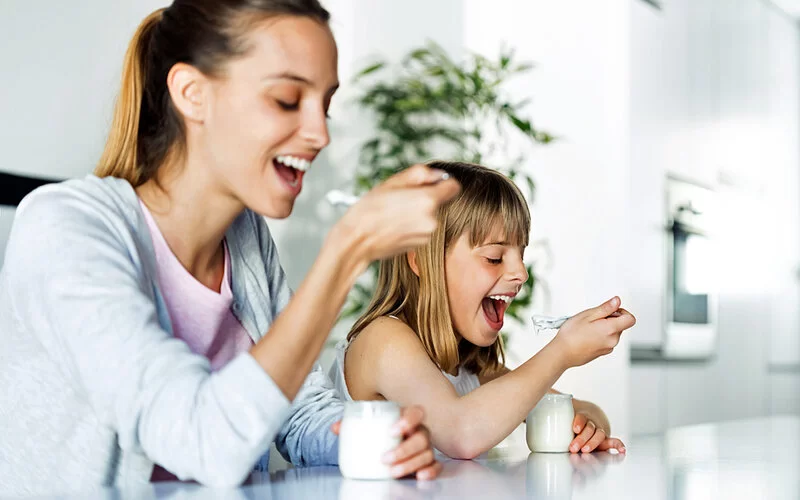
(147, 130)
(488, 200)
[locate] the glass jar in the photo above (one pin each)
(549, 424)
(364, 438)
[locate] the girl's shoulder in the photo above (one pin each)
(386, 337)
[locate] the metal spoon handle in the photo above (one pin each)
(339, 198)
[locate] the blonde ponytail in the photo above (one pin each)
(120, 157)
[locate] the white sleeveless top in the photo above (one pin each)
(464, 383)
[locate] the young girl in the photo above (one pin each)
(431, 333)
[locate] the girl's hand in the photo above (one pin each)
(399, 214)
(415, 453)
(593, 333)
(592, 437)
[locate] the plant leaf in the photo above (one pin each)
(372, 68)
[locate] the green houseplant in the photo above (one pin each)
(432, 106)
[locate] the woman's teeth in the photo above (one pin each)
(300, 164)
(504, 298)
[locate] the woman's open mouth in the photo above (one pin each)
(291, 170)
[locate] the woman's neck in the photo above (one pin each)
(193, 215)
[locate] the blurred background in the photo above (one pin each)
(661, 140)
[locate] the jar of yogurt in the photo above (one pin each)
(365, 436)
(549, 424)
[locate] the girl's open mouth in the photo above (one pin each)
(494, 307)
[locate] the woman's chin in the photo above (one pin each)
(277, 209)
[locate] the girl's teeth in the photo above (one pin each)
(501, 297)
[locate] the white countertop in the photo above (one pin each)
(756, 459)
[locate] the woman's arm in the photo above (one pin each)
(398, 215)
(79, 287)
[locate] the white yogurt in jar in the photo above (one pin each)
(549, 424)
(364, 438)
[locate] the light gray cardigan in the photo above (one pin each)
(93, 386)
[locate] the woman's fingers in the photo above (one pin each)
(579, 423)
(582, 438)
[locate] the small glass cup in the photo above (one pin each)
(365, 436)
(549, 424)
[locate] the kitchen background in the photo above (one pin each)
(638, 92)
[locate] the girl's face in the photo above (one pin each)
(481, 282)
(266, 117)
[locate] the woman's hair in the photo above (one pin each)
(147, 129)
(488, 200)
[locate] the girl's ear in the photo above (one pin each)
(411, 256)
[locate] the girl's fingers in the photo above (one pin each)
(612, 444)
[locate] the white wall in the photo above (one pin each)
(60, 66)
(714, 97)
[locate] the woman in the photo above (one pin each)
(149, 327)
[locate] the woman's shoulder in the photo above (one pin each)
(75, 219)
(103, 200)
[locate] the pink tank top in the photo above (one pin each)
(200, 316)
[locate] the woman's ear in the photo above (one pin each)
(187, 87)
(411, 256)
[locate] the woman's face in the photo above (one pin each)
(266, 118)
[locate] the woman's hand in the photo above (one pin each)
(592, 435)
(593, 333)
(415, 453)
(399, 214)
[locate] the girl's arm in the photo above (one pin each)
(388, 359)
(389, 354)
(591, 424)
